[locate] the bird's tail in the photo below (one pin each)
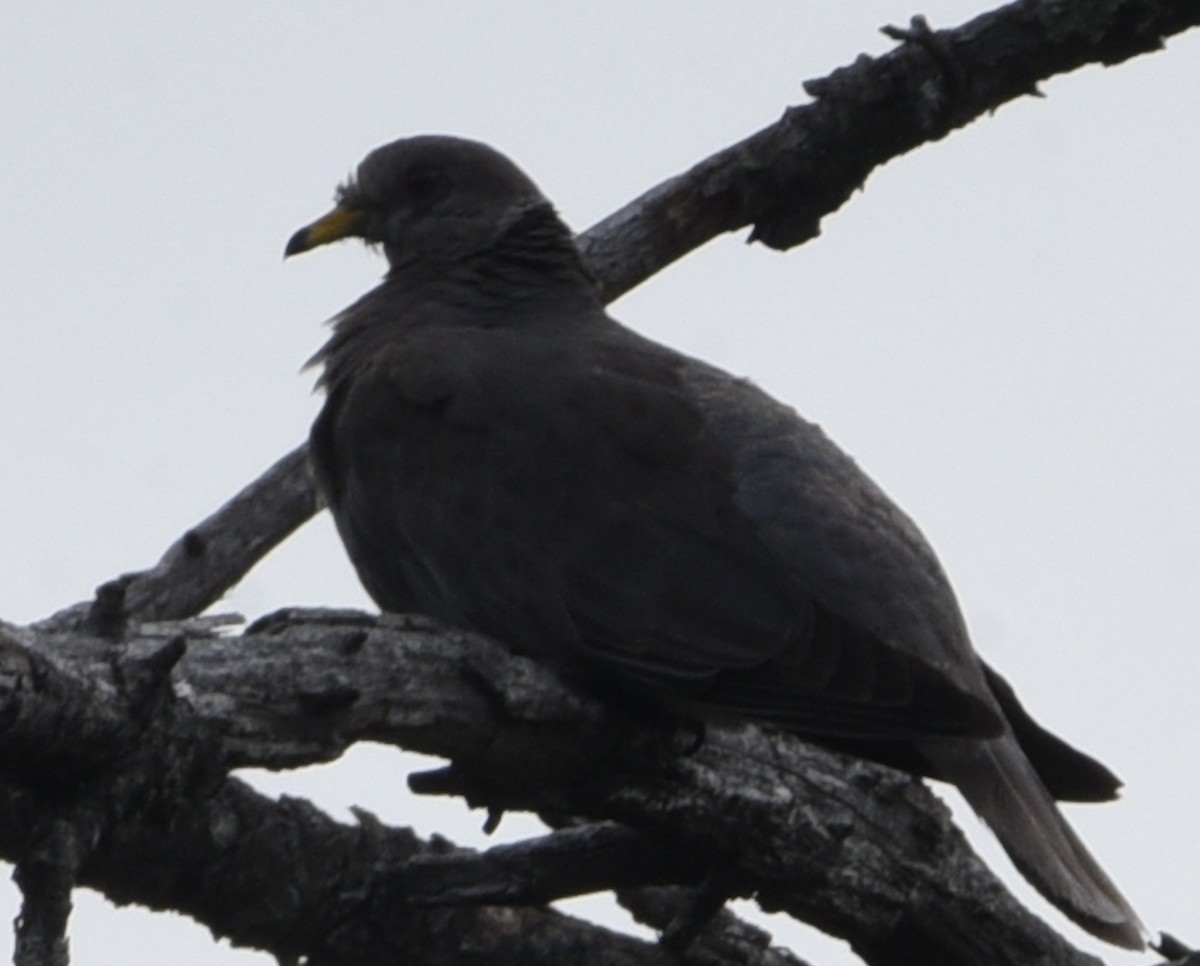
(1001, 786)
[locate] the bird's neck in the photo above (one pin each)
(531, 259)
(528, 274)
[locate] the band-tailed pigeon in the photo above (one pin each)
(501, 454)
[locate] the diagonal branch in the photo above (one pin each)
(568, 862)
(785, 178)
(210, 558)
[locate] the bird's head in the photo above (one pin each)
(431, 198)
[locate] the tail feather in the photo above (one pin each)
(1068, 773)
(1002, 787)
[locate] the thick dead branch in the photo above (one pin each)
(46, 876)
(279, 876)
(283, 877)
(725, 935)
(568, 862)
(860, 851)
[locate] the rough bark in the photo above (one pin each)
(117, 736)
(863, 852)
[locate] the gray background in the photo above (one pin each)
(1002, 329)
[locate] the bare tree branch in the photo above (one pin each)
(860, 851)
(784, 179)
(283, 876)
(210, 558)
(569, 862)
(46, 877)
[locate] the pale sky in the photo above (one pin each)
(1002, 329)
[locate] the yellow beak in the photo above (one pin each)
(337, 224)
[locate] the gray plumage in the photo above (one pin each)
(499, 453)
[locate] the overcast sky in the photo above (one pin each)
(1002, 329)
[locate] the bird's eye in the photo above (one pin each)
(425, 185)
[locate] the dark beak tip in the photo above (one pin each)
(298, 243)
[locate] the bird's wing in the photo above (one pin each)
(589, 482)
(835, 531)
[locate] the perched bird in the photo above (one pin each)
(500, 453)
